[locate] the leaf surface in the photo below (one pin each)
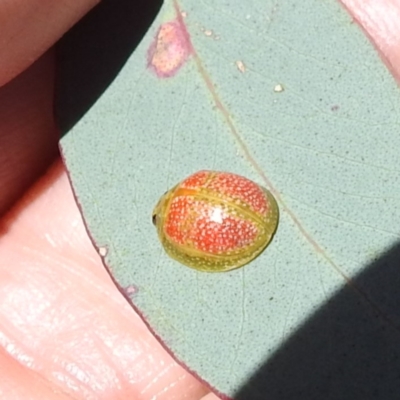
(290, 94)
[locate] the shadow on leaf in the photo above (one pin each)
(92, 53)
(346, 350)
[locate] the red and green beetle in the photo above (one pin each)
(216, 221)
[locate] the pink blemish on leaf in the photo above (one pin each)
(169, 50)
(131, 290)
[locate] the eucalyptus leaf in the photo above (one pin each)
(293, 96)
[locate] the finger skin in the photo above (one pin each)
(28, 135)
(380, 20)
(28, 28)
(61, 316)
(18, 382)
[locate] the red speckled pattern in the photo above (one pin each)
(235, 186)
(240, 188)
(207, 227)
(197, 180)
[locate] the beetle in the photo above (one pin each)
(216, 221)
